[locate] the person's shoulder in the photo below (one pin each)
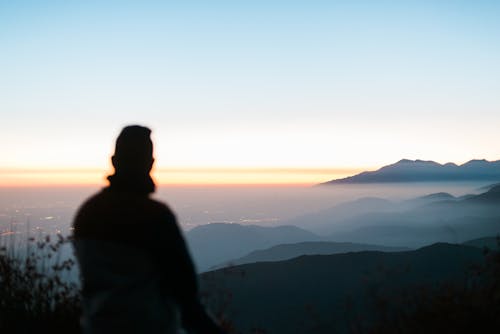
(88, 211)
(161, 208)
(93, 201)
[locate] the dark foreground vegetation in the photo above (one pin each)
(35, 298)
(34, 295)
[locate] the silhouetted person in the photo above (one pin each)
(137, 274)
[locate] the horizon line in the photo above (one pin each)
(177, 176)
(211, 169)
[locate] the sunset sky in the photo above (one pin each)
(246, 91)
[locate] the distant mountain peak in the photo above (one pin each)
(418, 161)
(476, 161)
(426, 162)
(440, 195)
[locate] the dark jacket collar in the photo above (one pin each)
(136, 183)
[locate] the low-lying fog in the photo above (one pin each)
(52, 208)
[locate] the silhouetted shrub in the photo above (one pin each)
(34, 296)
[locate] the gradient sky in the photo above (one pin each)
(244, 91)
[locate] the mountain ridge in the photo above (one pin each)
(312, 285)
(283, 252)
(236, 240)
(406, 170)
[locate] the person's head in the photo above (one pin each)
(133, 151)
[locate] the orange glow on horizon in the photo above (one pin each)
(178, 176)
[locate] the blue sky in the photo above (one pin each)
(250, 83)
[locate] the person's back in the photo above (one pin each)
(137, 274)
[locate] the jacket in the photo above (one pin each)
(137, 274)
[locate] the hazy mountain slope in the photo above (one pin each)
(320, 221)
(365, 210)
(492, 196)
(427, 171)
(493, 243)
(453, 221)
(413, 223)
(295, 295)
(454, 231)
(213, 244)
(289, 251)
(441, 196)
(489, 186)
